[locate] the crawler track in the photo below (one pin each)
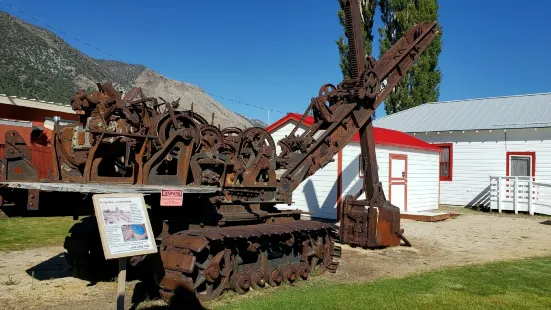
(210, 261)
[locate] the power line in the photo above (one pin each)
(119, 59)
(60, 31)
(247, 104)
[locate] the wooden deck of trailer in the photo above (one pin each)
(103, 188)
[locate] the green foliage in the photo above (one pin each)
(368, 12)
(521, 284)
(421, 84)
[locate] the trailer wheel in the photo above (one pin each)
(84, 252)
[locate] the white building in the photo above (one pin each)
(408, 170)
(483, 139)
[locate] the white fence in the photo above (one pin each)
(520, 194)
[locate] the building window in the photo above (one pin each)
(446, 161)
(521, 164)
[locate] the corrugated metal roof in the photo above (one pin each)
(520, 111)
(37, 104)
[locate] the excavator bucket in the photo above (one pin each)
(368, 226)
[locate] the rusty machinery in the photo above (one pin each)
(234, 237)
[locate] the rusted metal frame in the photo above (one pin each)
(66, 159)
(95, 177)
(404, 65)
(408, 48)
(264, 160)
(91, 154)
(172, 115)
(301, 120)
(139, 161)
(367, 145)
(183, 161)
(261, 162)
(196, 169)
(132, 135)
(323, 110)
(340, 132)
(32, 199)
(56, 175)
(17, 156)
(131, 95)
(144, 106)
(109, 90)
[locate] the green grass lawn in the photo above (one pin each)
(33, 232)
(524, 284)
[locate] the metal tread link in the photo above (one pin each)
(193, 239)
(221, 269)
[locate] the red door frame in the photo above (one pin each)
(398, 181)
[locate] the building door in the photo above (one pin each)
(398, 173)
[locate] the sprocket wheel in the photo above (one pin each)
(211, 139)
(167, 128)
(326, 90)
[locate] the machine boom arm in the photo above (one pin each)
(340, 112)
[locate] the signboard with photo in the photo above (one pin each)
(124, 225)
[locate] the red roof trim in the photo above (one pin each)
(383, 136)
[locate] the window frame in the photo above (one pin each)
(450, 161)
(532, 155)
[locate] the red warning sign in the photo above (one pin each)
(172, 197)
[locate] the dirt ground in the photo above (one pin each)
(470, 238)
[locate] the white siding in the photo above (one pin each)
(479, 155)
(422, 183)
(318, 193)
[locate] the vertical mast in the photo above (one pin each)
(354, 34)
(357, 63)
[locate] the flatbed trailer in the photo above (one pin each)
(103, 188)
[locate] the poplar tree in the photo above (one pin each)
(421, 84)
(368, 12)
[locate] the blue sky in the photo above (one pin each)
(276, 54)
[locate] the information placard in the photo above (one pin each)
(124, 225)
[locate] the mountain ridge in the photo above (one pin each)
(36, 63)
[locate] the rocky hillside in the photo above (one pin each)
(36, 63)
